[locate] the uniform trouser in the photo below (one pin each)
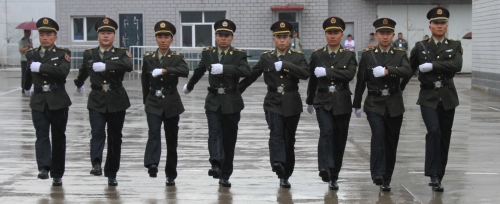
(437, 140)
(47, 157)
(384, 143)
(333, 131)
(98, 122)
(153, 146)
(24, 65)
(282, 140)
(222, 135)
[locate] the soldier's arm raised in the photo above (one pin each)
(181, 70)
(451, 66)
(124, 64)
(57, 70)
(345, 74)
(300, 71)
(403, 70)
(242, 70)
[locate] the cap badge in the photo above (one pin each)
(162, 25)
(105, 21)
(333, 20)
(45, 21)
(224, 23)
(385, 21)
(439, 11)
(282, 25)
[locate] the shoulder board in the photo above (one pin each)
(238, 50)
(93, 48)
(149, 54)
(267, 52)
(121, 48)
(61, 48)
(454, 40)
(295, 51)
(321, 48)
(175, 54)
(349, 50)
(399, 49)
(367, 49)
(208, 48)
(33, 49)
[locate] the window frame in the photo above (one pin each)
(84, 28)
(193, 28)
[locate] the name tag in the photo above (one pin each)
(450, 50)
(54, 58)
(115, 58)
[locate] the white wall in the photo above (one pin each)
(13, 13)
(411, 20)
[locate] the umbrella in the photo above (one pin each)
(28, 25)
(467, 36)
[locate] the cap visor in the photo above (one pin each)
(223, 32)
(46, 30)
(106, 29)
(385, 29)
(333, 29)
(440, 21)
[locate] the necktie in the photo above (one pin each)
(222, 54)
(384, 53)
(42, 53)
(438, 44)
(161, 59)
(280, 57)
(332, 56)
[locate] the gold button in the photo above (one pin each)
(438, 57)
(386, 86)
(162, 96)
(161, 79)
(55, 64)
(333, 82)
(450, 55)
(282, 85)
(281, 77)
(344, 67)
(425, 57)
(44, 82)
(161, 88)
(221, 84)
(104, 81)
(439, 77)
(332, 67)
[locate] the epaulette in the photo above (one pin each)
(454, 40)
(238, 50)
(368, 49)
(399, 49)
(175, 54)
(61, 48)
(149, 54)
(348, 50)
(208, 48)
(297, 51)
(122, 48)
(319, 49)
(33, 49)
(93, 48)
(267, 52)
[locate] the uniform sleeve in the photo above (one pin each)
(342, 74)
(58, 70)
(255, 74)
(241, 70)
(145, 80)
(83, 72)
(28, 79)
(403, 70)
(451, 66)
(181, 70)
(199, 71)
(300, 71)
(360, 83)
(124, 64)
(313, 81)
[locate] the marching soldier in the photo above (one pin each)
(282, 68)
(160, 75)
(438, 59)
(49, 102)
(223, 103)
(106, 65)
(328, 94)
(380, 70)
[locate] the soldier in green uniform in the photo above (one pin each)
(328, 94)
(160, 75)
(380, 71)
(438, 59)
(223, 103)
(49, 102)
(282, 68)
(106, 65)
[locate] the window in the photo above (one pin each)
(83, 28)
(290, 17)
(197, 27)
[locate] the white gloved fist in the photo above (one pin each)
(278, 65)
(99, 67)
(425, 67)
(379, 71)
(35, 66)
(216, 68)
(185, 89)
(320, 72)
(29, 92)
(310, 109)
(80, 90)
(357, 112)
(157, 72)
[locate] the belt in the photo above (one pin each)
(383, 92)
(332, 89)
(435, 85)
(161, 92)
(221, 90)
(104, 87)
(48, 87)
(281, 89)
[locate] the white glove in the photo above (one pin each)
(216, 68)
(357, 112)
(185, 89)
(320, 72)
(379, 71)
(80, 90)
(278, 65)
(99, 67)
(157, 72)
(425, 67)
(310, 109)
(35, 66)
(29, 92)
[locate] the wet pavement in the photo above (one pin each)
(472, 174)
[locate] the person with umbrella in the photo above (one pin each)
(24, 45)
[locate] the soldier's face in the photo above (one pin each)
(106, 38)
(282, 42)
(223, 40)
(47, 39)
(164, 41)
(334, 37)
(385, 38)
(438, 29)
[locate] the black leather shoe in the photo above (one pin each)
(170, 182)
(438, 188)
(284, 183)
(56, 182)
(378, 180)
(225, 183)
(214, 171)
(434, 180)
(323, 173)
(112, 182)
(385, 187)
(43, 174)
(333, 185)
(278, 168)
(96, 169)
(152, 170)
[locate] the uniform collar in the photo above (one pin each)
(382, 50)
(42, 49)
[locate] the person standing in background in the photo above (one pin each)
(373, 42)
(24, 45)
(296, 43)
(349, 43)
(400, 42)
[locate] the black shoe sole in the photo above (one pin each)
(279, 171)
(43, 176)
(112, 184)
(324, 176)
(333, 188)
(437, 189)
(224, 185)
(385, 189)
(214, 173)
(433, 184)
(153, 172)
(170, 184)
(56, 184)
(96, 173)
(378, 181)
(285, 186)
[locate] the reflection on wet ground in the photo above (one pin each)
(472, 175)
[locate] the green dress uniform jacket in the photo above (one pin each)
(169, 103)
(294, 67)
(53, 70)
(339, 72)
(446, 61)
(235, 65)
(118, 61)
(398, 66)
